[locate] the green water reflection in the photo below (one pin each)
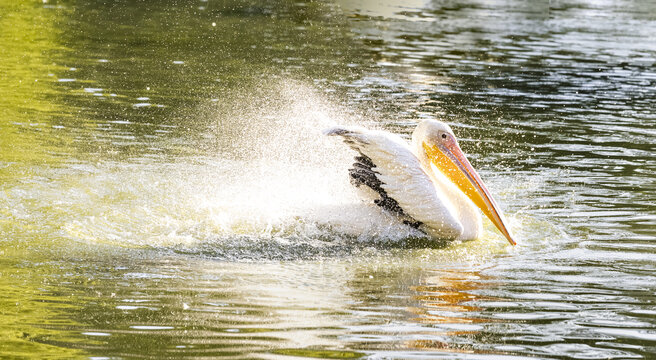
(165, 190)
(29, 121)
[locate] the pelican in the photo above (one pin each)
(429, 184)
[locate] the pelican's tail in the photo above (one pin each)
(354, 136)
(345, 131)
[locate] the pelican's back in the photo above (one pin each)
(387, 165)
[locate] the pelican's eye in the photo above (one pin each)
(444, 136)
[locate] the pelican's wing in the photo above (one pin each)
(387, 165)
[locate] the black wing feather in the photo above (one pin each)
(362, 173)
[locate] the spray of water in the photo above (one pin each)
(266, 184)
(269, 183)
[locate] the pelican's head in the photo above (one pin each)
(441, 147)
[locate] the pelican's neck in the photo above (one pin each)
(462, 207)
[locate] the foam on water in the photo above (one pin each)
(270, 179)
(269, 186)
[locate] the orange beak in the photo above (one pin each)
(448, 157)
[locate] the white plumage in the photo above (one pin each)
(407, 176)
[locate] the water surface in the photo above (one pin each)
(167, 191)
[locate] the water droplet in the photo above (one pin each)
(151, 327)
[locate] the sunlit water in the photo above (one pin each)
(166, 190)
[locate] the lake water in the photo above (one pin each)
(166, 190)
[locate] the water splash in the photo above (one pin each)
(270, 182)
(267, 184)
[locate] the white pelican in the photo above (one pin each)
(430, 185)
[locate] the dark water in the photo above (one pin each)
(166, 190)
